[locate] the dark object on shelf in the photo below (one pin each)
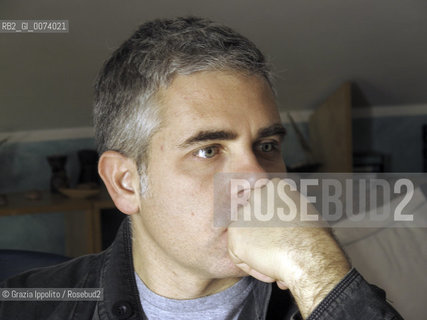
(368, 162)
(3, 200)
(13, 262)
(425, 147)
(88, 166)
(59, 177)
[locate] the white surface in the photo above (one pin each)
(394, 259)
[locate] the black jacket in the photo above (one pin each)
(112, 270)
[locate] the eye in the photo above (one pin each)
(207, 153)
(268, 146)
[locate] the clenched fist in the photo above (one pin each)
(303, 257)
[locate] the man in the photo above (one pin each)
(180, 101)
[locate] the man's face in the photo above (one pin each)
(212, 122)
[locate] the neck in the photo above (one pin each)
(169, 278)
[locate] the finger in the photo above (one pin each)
(257, 275)
(281, 285)
(236, 260)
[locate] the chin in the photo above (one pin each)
(240, 274)
(221, 266)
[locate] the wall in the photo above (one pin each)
(394, 131)
(398, 138)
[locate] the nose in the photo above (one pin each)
(247, 167)
(247, 174)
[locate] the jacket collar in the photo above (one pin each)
(121, 297)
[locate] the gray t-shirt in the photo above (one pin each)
(248, 294)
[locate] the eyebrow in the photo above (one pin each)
(208, 135)
(276, 129)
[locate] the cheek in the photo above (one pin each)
(196, 179)
(182, 194)
(199, 171)
(181, 185)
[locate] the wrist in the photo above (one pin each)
(313, 287)
(316, 274)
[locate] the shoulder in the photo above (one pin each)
(82, 272)
(78, 272)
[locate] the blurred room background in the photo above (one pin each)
(360, 64)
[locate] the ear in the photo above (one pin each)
(120, 175)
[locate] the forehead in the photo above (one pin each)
(217, 98)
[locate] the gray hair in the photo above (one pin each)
(125, 114)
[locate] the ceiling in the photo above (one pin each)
(381, 46)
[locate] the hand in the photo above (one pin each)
(305, 259)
